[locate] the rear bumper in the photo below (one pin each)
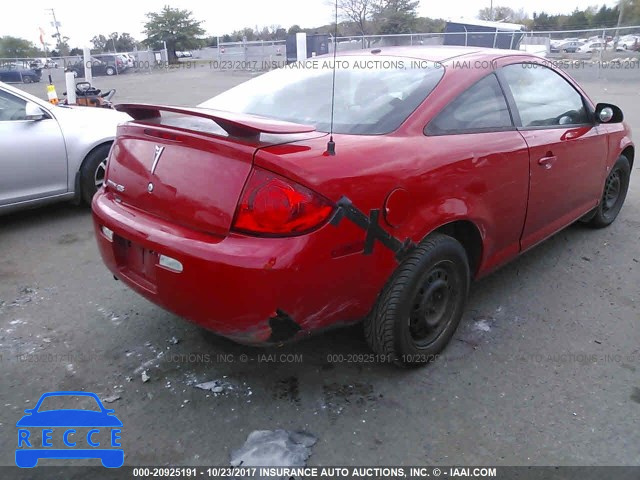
(252, 290)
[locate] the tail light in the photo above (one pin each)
(272, 205)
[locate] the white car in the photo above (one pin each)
(628, 41)
(591, 47)
(51, 153)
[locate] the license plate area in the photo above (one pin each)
(136, 262)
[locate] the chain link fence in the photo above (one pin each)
(593, 53)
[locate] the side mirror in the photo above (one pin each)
(33, 112)
(607, 113)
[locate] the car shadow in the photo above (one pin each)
(37, 216)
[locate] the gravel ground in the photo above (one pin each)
(544, 369)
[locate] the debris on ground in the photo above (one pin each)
(111, 399)
(174, 341)
(145, 377)
(482, 325)
(216, 386)
(26, 296)
(274, 448)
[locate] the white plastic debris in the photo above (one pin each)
(145, 377)
(214, 386)
(482, 325)
(112, 398)
(174, 341)
(274, 448)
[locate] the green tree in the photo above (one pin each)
(14, 47)
(120, 42)
(176, 27)
(294, 29)
(396, 16)
(429, 25)
(632, 12)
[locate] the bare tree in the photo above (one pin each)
(359, 12)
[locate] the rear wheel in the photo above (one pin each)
(110, 71)
(27, 79)
(614, 194)
(92, 172)
(421, 306)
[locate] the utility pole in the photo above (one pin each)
(56, 24)
(491, 11)
(616, 38)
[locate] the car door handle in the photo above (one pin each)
(547, 162)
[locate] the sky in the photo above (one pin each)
(81, 21)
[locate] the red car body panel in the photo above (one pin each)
(247, 288)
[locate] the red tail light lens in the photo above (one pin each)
(276, 206)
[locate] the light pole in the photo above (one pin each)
(56, 24)
(491, 11)
(616, 38)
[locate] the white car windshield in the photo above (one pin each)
(373, 95)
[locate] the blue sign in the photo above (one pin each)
(44, 433)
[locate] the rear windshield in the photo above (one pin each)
(374, 95)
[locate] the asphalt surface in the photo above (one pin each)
(544, 369)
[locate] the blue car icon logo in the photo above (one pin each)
(64, 433)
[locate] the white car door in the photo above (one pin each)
(33, 157)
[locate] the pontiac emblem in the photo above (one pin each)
(156, 158)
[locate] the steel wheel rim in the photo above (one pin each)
(433, 304)
(99, 174)
(612, 191)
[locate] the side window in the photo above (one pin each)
(544, 98)
(11, 107)
(482, 107)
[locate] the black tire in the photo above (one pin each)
(92, 171)
(613, 195)
(421, 306)
(110, 71)
(27, 79)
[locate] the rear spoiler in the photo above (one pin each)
(235, 124)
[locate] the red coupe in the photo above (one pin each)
(247, 217)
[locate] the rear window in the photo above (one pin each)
(374, 95)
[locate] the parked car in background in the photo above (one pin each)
(40, 63)
(184, 54)
(51, 153)
(591, 47)
(104, 65)
(566, 47)
(15, 73)
(433, 176)
(129, 59)
(628, 41)
(49, 63)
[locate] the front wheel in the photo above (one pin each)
(92, 172)
(110, 71)
(421, 306)
(614, 194)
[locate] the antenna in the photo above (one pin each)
(331, 145)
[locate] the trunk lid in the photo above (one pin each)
(189, 165)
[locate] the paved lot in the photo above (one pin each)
(544, 370)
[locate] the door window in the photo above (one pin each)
(543, 98)
(11, 107)
(480, 108)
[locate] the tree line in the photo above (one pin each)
(178, 29)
